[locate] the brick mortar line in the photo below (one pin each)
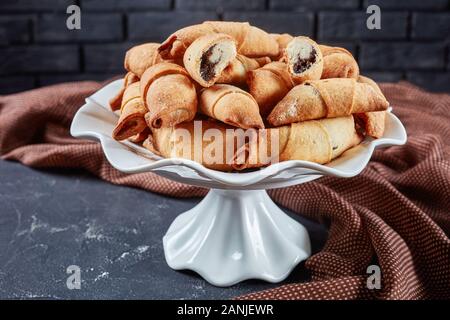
(306, 10)
(361, 11)
(357, 51)
(361, 5)
(355, 42)
(125, 31)
(409, 26)
(37, 81)
(428, 70)
(74, 42)
(73, 73)
(99, 72)
(314, 12)
(315, 29)
(161, 10)
(70, 43)
(31, 28)
(447, 58)
(81, 59)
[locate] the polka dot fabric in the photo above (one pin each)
(395, 214)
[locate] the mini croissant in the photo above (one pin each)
(327, 98)
(189, 140)
(141, 57)
(168, 94)
(269, 84)
(231, 105)
(338, 63)
(251, 41)
(131, 121)
(116, 101)
(318, 141)
(373, 123)
(237, 71)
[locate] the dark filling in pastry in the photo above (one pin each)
(301, 65)
(206, 66)
(157, 123)
(129, 125)
(360, 125)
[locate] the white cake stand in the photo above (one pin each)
(236, 232)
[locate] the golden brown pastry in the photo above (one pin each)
(370, 82)
(373, 123)
(204, 141)
(251, 41)
(326, 98)
(208, 56)
(338, 63)
(317, 141)
(140, 58)
(283, 40)
(269, 84)
(149, 142)
(131, 121)
(304, 59)
(316, 104)
(116, 102)
(168, 94)
(231, 105)
(236, 72)
(262, 61)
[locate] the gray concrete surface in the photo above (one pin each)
(55, 218)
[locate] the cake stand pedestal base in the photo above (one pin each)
(235, 235)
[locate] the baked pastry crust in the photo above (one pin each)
(269, 84)
(251, 41)
(328, 98)
(188, 141)
(131, 121)
(169, 95)
(318, 141)
(140, 58)
(338, 63)
(237, 71)
(116, 102)
(231, 105)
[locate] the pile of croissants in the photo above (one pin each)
(231, 75)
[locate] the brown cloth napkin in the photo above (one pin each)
(395, 214)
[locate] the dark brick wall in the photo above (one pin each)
(37, 49)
